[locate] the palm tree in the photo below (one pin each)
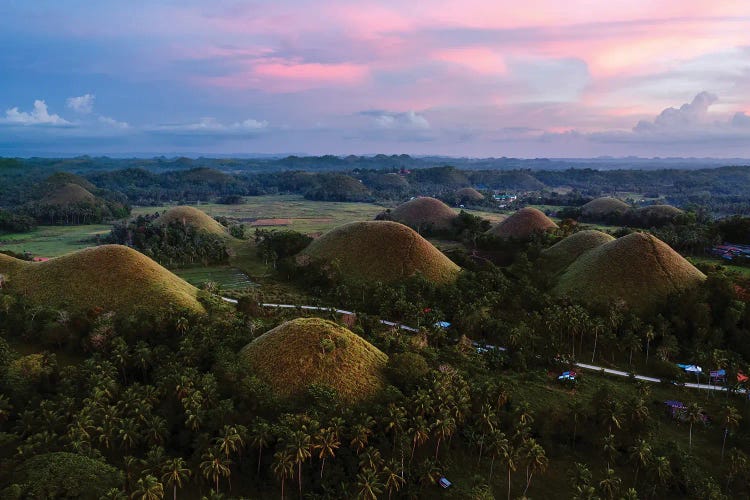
(497, 446)
(536, 460)
(576, 410)
(661, 472)
(395, 421)
(487, 421)
(630, 494)
(175, 473)
(649, 335)
(693, 415)
(419, 432)
(231, 440)
(508, 454)
(610, 414)
(609, 448)
(148, 488)
(283, 467)
(444, 427)
(326, 443)
(368, 485)
(299, 446)
(128, 433)
(730, 418)
(524, 414)
(260, 438)
(360, 437)
(610, 484)
(640, 454)
(598, 326)
(393, 480)
(214, 466)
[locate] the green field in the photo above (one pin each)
(744, 271)
(53, 241)
(229, 278)
(301, 215)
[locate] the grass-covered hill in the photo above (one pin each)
(424, 213)
(469, 195)
(383, 251)
(603, 208)
(639, 269)
(560, 255)
(193, 217)
(307, 351)
(523, 224)
(113, 277)
(68, 194)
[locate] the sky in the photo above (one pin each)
(476, 78)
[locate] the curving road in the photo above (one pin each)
(488, 347)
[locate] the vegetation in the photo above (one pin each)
(378, 251)
(305, 356)
(559, 256)
(637, 269)
(191, 216)
(523, 224)
(424, 215)
(173, 241)
(111, 277)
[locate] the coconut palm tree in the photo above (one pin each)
(610, 414)
(508, 455)
(215, 466)
(231, 441)
(693, 415)
(487, 422)
(393, 480)
(444, 427)
(175, 473)
(524, 414)
(360, 437)
(576, 411)
(536, 460)
(599, 327)
(260, 437)
(283, 467)
(609, 448)
(640, 454)
(368, 485)
(148, 488)
(395, 421)
(610, 484)
(660, 472)
(326, 443)
(730, 418)
(299, 445)
(649, 336)
(128, 433)
(419, 432)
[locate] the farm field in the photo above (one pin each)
(53, 241)
(286, 211)
(227, 277)
(744, 271)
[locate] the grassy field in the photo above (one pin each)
(229, 278)
(53, 241)
(300, 214)
(743, 271)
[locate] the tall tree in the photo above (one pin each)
(693, 415)
(175, 473)
(730, 419)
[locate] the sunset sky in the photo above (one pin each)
(477, 78)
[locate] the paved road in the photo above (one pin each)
(487, 347)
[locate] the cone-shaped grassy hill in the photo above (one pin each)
(523, 224)
(380, 251)
(308, 351)
(469, 195)
(638, 268)
(424, 213)
(193, 217)
(603, 207)
(560, 255)
(113, 277)
(68, 194)
(661, 212)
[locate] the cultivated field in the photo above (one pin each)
(53, 241)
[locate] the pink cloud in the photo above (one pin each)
(479, 59)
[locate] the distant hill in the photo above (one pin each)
(191, 216)
(424, 214)
(559, 256)
(523, 224)
(380, 251)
